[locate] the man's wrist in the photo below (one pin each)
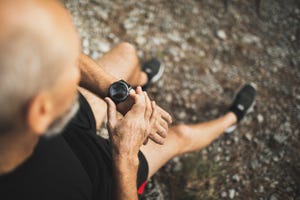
(126, 161)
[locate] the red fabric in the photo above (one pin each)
(142, 188)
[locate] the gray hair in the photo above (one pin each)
(28, 64)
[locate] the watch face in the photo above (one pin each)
(118, 91)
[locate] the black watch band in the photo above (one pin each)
(119, 91)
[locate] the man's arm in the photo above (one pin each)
(127, 136)
(93, 77)
(96, 80)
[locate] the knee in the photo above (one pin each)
(128, 48)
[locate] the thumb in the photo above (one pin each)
(111, 113)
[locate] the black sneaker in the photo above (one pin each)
(243, 103)
(154, 71)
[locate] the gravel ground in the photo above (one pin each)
(210, 48)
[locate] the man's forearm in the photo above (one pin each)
(125, 176)
(93, 77)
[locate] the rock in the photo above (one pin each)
(273, 197)
(169, 98)
(182, 115)
(102, 13)
(275, 159)
(224, 194)
(231, 193)
(217, 158)
(201, 53)
(248, 136)
(236, 178)
(261, 189)
(129, 23)
(95, 55)
(85, 43)
(221, 34)
(141, 40)
(104, 46)
(250, 39)
(280, 138)
(260, 118)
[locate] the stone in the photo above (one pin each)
(261, 189)
(221, 34)
(248, 136)
(141, 40)
(250, 39)
(85, 43)
(236, 178)
(273, 197)
(260, 118)
(224, 194)
(231, 193)
(104, 46)
(280, 138)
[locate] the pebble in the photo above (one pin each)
(221, 34)
(261, 189)
(104, 46)
(169, 98)
(273, 197)
(141, 40)
(248, 136)
(236, 178)
(260, 118)
(231, 193)
(224, 194)
(250, 39)
(280, 138)
(182, 115)
(85, 43)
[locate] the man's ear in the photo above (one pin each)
(40, 113)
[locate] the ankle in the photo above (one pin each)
(232, 118)
(143, 79)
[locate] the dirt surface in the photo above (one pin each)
(209, 50)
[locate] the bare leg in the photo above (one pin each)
(185, 138)
(97, 104)
(123, 63)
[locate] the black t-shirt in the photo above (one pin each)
(76, 164)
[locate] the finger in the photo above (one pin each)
(162, 131)
(132, 93)
(157, 139)
(146, 141)
(163, 124)
(139, 90)
(111, 113)
(139, 95)
(154, 112)
(165, 115)
(148, 110)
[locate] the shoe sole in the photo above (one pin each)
(159, 74)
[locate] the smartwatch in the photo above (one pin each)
(119, 91)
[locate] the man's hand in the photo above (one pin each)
(158, 130)
(128, 133)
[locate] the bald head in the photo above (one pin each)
(37, 43)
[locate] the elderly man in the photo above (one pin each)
(48, 143)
